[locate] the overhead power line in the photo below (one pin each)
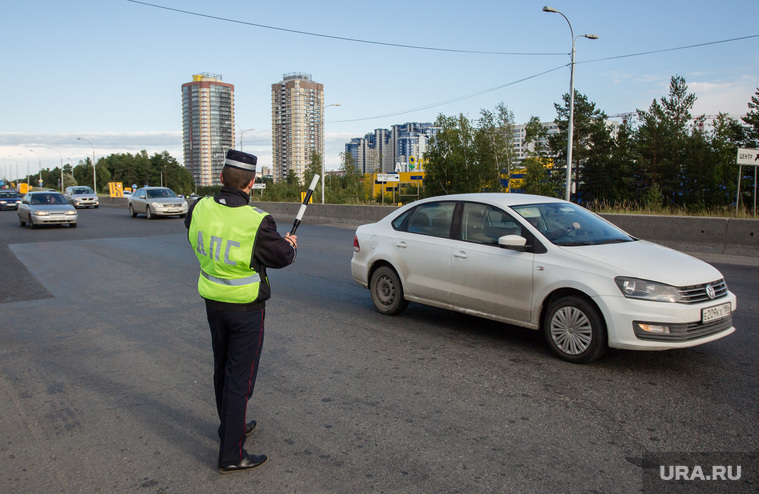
(341, 38)
(452, 100)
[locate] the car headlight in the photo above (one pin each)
(184, 204)
(71, 213)
(41, 213)
(156, 204)
(647, 290)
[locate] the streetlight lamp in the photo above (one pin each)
(59, 154)
(570, 127)
(94, 176)
(323, 177)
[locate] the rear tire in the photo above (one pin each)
(575, 330)
(387, 291)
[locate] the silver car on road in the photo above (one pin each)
(156, 201)
(46, 208)
(81, 196)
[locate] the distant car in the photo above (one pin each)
(9, 199)
(81, 196)
(193, 196)
(156, 201)
(544, 264)
(46, 208)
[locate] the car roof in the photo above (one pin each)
(504, 199)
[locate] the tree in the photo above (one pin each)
(751, 119)
(493, 148)
(466, 156)
(662, 139)
(590, 143)
(314, 167)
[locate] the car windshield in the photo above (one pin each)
(83, 190)
(48, 199)
(158, 193)
(569, 224)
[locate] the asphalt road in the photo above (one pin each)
(105, 381)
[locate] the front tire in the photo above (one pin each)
(387, 291)
(575, 330)
(148, 213)
(132, 212)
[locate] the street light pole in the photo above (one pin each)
(570, 126)
(39, 178)
(242, 132)
(323, 176)
(27, 170)
(94, 175)
(59, 154)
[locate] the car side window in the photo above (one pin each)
(432, 218)
(485, 224)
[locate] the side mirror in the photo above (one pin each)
(514, 242)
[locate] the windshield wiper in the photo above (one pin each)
(574, 244)
(614, 241)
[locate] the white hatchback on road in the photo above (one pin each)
(544, 264)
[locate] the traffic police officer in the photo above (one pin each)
(235, 243)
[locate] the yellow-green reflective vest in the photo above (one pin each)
(223, 239)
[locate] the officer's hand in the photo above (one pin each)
(293, 239)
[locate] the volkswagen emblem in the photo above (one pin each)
(710, 292)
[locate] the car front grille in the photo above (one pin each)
(688, 332)
(700, 293)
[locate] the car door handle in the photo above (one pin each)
(401, 244)
(461, 255)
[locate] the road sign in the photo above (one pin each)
(388, 177)
(258, 186)
(748, 157)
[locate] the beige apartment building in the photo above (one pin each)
(297, 114)
(208, 124)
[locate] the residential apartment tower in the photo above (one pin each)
(208, 124)
(297, 113)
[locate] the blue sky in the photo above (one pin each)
(110, 71)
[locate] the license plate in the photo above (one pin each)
(716, 312)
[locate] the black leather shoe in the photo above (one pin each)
(250, 426)
(250, 461)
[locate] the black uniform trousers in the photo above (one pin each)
(237, 338)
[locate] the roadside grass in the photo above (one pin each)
(634, 207)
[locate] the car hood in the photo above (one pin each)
(84, 196)
(649, 261)
(53, 208)
(167, 200)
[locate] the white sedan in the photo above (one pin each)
(544, 264)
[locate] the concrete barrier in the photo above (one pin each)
(731, 236)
